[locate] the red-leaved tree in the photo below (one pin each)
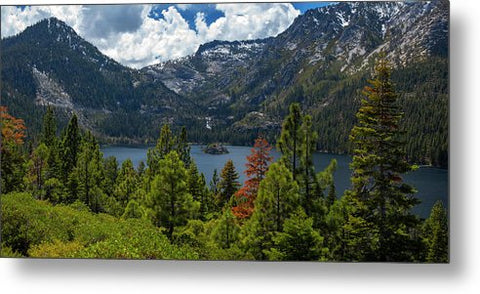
(13, 129)
(257, 166)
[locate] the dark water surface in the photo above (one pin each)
(431, 183)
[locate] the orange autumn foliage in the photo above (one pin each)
(13, 129)
(257, 166)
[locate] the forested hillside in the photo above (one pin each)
(61, 198)
(233, 91)
(49, 64)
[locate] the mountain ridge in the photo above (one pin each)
(231, 91)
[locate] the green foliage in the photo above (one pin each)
(167, 211)
(8, 252)
(89, 174)
(70, 147)
(49, 130)
(226, 230)
(36, 170)
(54, 191)
(197, 187)
(164, 145)
(171, 203)
(183, 148)
(38, 229)
(228, 183)
(435, 232)
(298, 240)
(126, 186)
(56, 249)
(290, 140)
(110, 166)
(133, 210)
(214, 182)
(277, 198)
(307, 179)
(383, 200)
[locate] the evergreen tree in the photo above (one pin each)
(54, 190)
(226, 230)
(298, 240)
(165, 144)
(342, 246)
(127, 184)
(319, 205)
(289, 143)
(110, 165)
(277, 198)
(133, 210)
(37, 167)
(332, 194)
(207, 201)
(49, 129)
(70, 147)
(88, 174)
(198, 189)
(307, 179)
(193, 182)
(214, 182)
(435, 231)
(141, 168)
(228, 184)
(183, 148)
(49, 138)
(169, 199)
(383, 201)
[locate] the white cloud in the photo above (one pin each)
(183, 6)
(15, 20)
(252, 21)
(128, 35)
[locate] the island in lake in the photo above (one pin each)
(215, 148)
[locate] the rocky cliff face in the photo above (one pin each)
(49, 64)
(230, 91)
(343, 39)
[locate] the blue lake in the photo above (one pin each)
(431, 183)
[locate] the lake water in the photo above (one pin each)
(431, 183)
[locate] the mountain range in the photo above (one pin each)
(231, 91)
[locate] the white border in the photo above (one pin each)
(460, 276)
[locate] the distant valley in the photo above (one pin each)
(231, 91)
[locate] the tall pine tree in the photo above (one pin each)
(307, 179)
(165, 144)
(70, 147)
(277, 199)
(383, 201)
(169, 200)
(436, 234)
(88, 174)
(289, 143)
(228, 184)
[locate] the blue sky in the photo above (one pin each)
(139, 35)
(304, 6)
(190, 11)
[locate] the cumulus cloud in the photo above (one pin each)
(16, 19)
(252, 21)
(128, 33)
(100, 21)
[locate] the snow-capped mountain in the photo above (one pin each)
(233, 90)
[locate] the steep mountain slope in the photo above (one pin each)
(49, 64)
(231, 91)
(323, 61)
